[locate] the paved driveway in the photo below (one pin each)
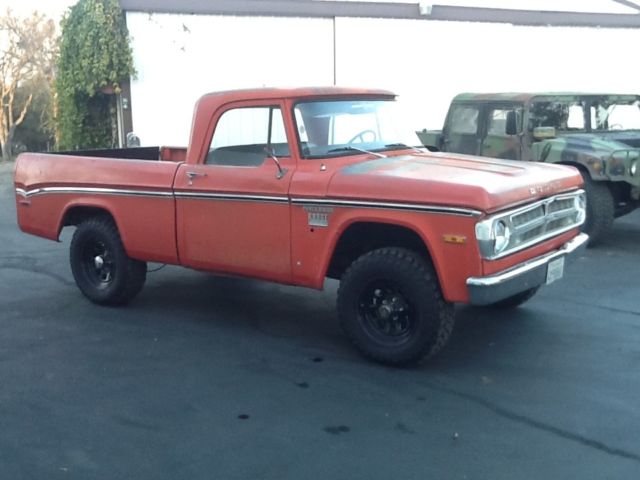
(215, 378)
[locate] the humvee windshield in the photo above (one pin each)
(601, 114)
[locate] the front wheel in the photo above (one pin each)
(391, 307)
(103, 271)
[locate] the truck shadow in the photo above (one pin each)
(489, 335)
(246, 306)
(307, 319)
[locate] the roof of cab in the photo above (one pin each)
(299, 92)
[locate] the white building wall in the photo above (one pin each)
(428, 63)
(180, 57)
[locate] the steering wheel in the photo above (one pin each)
(361, 135)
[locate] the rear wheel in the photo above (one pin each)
(391, 307)
(101, 268)
(600, 210)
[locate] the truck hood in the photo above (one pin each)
(444, 179)
(603, 143)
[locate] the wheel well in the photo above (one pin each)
(620, 191)
(77, 215)
(579, 166)
(364, 237)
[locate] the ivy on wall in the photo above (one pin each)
(95, 58)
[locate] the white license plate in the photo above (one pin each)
(555, 270)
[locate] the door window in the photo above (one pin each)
(243, 136)
(497, 125)
(464, 120)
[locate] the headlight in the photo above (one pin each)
(633, 169)
(493, 236)
(581, 208)
(502, 234)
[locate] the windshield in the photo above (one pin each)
(615, 115)
(348, 127)
(603, 114)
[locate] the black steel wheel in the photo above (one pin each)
(385, 312)
(391, 307)
(101, 268)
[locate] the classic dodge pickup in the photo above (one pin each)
(297, 185)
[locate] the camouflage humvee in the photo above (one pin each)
(598, 134)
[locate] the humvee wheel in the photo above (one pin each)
(600, 210)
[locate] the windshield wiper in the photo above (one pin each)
(356, 149)
(402, 145)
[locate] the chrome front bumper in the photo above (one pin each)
(530, 274)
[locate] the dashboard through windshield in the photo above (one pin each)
(332, 128)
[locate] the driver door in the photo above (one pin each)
(233, 210)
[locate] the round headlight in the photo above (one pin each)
(502, 236)
(633, 169)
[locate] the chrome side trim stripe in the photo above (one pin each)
(231, 197)
(251, 198)
(93, 191)
(466, 212)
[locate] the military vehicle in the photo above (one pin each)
(597, 133)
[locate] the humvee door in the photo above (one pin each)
(502, 131)
(461, 133)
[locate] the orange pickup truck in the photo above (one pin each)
(297, 185)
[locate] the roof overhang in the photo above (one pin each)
(364, 9)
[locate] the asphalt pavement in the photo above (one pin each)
(204, 377)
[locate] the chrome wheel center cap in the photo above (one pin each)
(98, 261)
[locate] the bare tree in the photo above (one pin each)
(28, 48)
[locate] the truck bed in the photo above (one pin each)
(167, 154)
(53, 189)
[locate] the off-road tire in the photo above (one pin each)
(120, 279)
(600, 210)
(428, 317)
(515, 300)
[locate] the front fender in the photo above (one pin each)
(558, 150)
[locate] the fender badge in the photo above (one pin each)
(318, 216)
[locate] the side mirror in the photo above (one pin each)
(512, 123)
(541, 133)
(271, 153)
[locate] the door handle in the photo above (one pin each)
(192, 175)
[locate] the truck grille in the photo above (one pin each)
(514, 230)
(544, 219)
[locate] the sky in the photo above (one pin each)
(51, 8)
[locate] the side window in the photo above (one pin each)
(497, 124)
(242, 134)
(464, 120)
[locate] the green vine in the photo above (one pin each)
(95, 58)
